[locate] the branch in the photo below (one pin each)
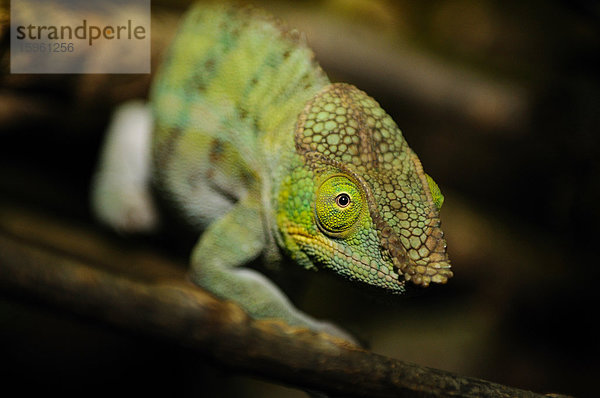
(43, 258)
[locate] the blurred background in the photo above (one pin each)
(500, 100)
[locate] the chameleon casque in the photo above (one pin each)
(255, 146)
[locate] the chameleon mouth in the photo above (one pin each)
(354, 267)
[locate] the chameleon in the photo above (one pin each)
(246, 135)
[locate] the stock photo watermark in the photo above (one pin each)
(80, 36)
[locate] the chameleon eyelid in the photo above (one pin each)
(333, 212)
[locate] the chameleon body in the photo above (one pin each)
(258, 148)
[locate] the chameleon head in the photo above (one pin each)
(361, 204)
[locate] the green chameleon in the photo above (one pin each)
(255, 146)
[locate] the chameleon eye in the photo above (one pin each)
(436, 194)
(342, 200)
(338, 205)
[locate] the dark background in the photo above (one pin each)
(501, 100)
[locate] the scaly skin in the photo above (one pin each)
(254, 144)
(389, 232)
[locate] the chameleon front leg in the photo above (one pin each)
(217, 266)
